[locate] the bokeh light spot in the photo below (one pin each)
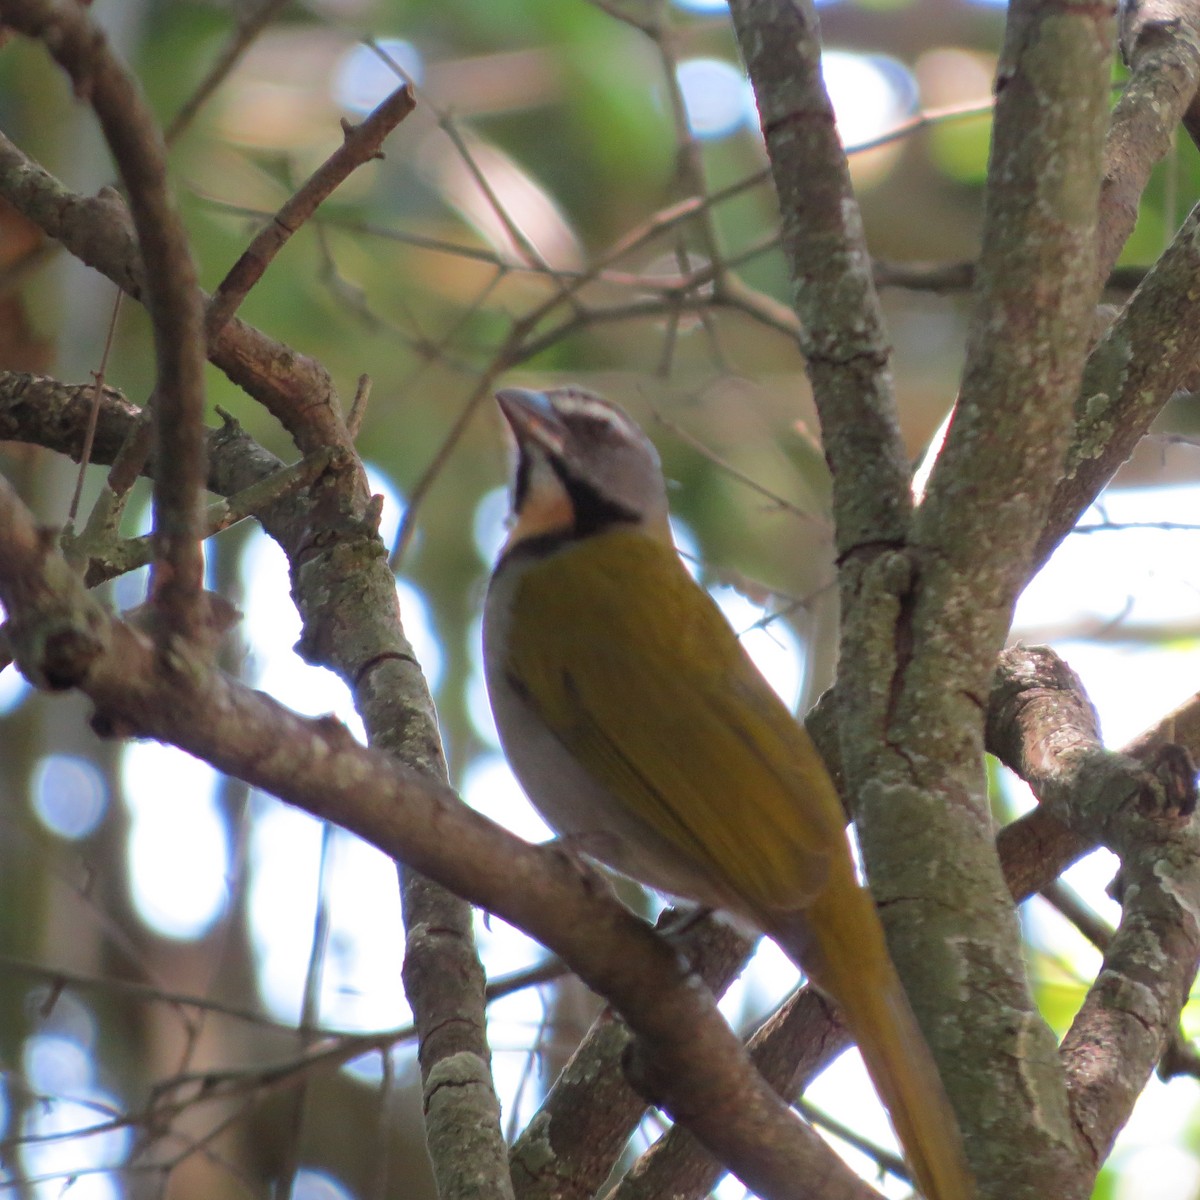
(362, 79)
(713, 95)
(360, 984)
(13, 690)
(69, 795)
(54, 1011)
(479, 705)
(380, 484)
(686, 544)
(178, 850)
(490, 788)
(870, 94)
(56, 1065)
(319, 1185)
(490, 523)
(419, 629)
(59, 1150)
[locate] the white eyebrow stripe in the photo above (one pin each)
(574, 404)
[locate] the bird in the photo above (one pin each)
(644, 735)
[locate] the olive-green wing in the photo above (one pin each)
(633, 668)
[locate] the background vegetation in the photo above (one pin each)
(581, 193)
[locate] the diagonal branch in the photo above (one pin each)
(1120, 1033)
(1144, 355)
(250, 24)
(360, 143)
(570, 1146)
(1162, 44)
(1043, 725)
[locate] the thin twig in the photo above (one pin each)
(243, 37)
(360, 144)
(358, 406)
(131, 553)
(89, 436)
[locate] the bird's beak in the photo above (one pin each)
(533, 418)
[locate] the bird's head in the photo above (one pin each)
(583, 466)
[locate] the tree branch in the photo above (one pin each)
(1043, 725)
(360, 143)
(81, 49)
(923, 822)
(1162, 46)
(294, 388)
(568, 1149)
(791, 1048)
(1135, 368)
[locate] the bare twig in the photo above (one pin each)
(89, 436)
(1067, 902)
(360, 143)
(108, 562)
(358, 407)
(294, 388)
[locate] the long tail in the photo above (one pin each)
(838, 942)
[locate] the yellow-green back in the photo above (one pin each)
(632, 666)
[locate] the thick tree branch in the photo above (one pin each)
(1036, 292)
(923, 822)
(847, 358)
(952, 611)
(568, 1149)
(792, 1047)
(41, 411)
(1042, 725)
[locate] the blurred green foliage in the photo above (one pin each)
(398, 279)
